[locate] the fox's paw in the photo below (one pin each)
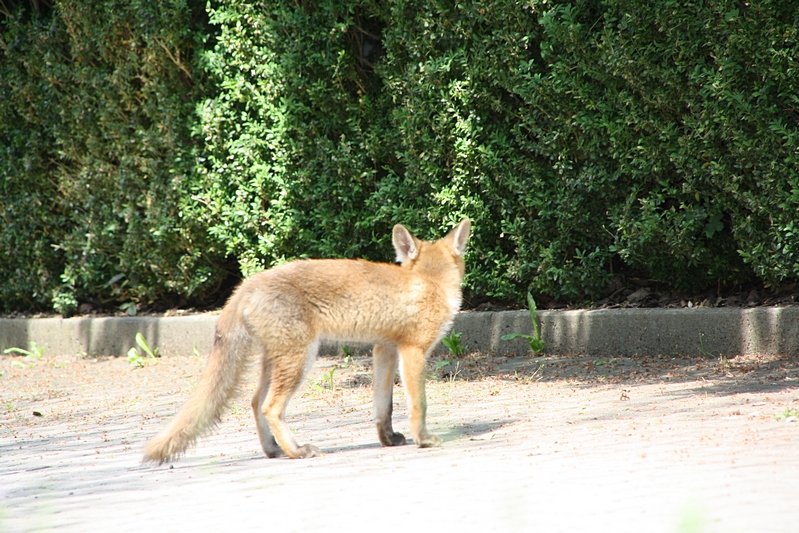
(272, 454)
(429, 441)
(271, 447)
(392, 439)
(308, 450)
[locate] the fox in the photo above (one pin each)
(283, 314)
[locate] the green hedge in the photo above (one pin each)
(585, 140)
(97, 103)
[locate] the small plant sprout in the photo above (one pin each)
(702, 348)
(535, 341)
(347, 355)
(452, 373)
(36, 352)
(329, 378)
(136, 358)
(32, 356)
(538, 374)
(454, 344)
(790, 414)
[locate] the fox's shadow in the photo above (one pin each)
(475, 429)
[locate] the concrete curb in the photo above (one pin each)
(603, 333)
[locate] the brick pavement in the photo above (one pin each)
(674, 451)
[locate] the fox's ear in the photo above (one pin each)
(404, 244)
(460, 236)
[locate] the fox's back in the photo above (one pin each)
(351, 300)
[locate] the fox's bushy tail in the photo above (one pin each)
(219, 381)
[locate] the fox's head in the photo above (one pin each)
(434, 258)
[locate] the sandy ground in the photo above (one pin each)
(531, 444)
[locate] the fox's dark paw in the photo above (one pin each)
(392, 439)
(272, 454)
(272, 449)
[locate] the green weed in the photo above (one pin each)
(32, 356)
(454, 344)
(136, 358)
(347, 356)
(328, 377)
(535, 341)
(702, 348)
(450, 376)
(788, 413)
(534, 377)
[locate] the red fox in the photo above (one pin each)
(285, 312)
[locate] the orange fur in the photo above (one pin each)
(285, 312)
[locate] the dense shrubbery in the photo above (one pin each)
(97, 100)
(584, 139)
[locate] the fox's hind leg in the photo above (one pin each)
(385, 357)
(268, 442)
(286, 370)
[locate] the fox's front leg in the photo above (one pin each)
(412, 360)
(384, 362)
